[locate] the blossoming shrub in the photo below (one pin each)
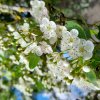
(33, 51)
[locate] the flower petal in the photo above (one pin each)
(89, 46)
(74, 32)
(87, 55)
(45, 21)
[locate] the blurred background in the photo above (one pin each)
(89, 9)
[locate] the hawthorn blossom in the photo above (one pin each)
(39, 11)
(37, 50)
(86, 49)
(46, 49)
(74, 51)
(57, 69)
(69, 39)
(60, 30)
(16, 35)
(30, 48)
(86, 69)
(53, 40)
(48, 28)
(24, 28)
(22, 42)
(60, 70)
(10, 28)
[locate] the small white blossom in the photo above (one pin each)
(22, 42)
(30, 48)
(39, 11)
(60, 29)
(25, 28)
(12, 57)
(16, 35)
(52, 40)
(55, 56)
(46, 49)
(38, 71)
(37, 50)
(86, 69)
(69, 39)
(59, 70)
(86, 49)
(48, 28)
(74, 32)
(10, 28)
(74, 51)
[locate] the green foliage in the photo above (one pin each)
(74, 25)
(91, 76)
(33, 60)
(39, 85)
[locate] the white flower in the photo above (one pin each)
(39, 10)
(46, 49)
(22, 42)
(16, 35)
(69, 39)
(74, 32)
(70, 43)
(60, 70)
(37, 50)
(55, 56)
(24, 28)
(52, 40)
(10, 28)
(30, 48)
(37, 5)
(12, 57)
(34, 49)
(48, 28)
(86, 49)
(74, 51)
(38, 71)
(86, 69)
(60, 29)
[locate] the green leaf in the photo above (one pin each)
(91, 76)
(33, 60)
(94, 32)
(74, 25)
(39, 85)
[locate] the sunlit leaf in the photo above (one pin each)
(73, 25)
(33, 60)
(91, 76)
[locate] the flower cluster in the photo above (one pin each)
(75, 46)
(52, 68)
(38, 10)
(48, 28)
